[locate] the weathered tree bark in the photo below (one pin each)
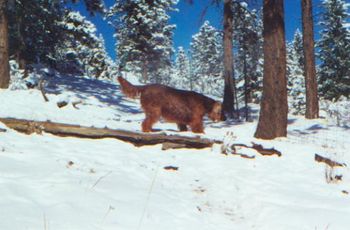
(228, 102)
(136, 138)
(312, 109)
(274, 108)
(4, 47)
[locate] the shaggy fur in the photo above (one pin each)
(185, 108)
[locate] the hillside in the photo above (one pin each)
(50, 182)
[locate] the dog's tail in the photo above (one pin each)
(129, 89)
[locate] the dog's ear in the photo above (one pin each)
(217, 107)
(215, 113)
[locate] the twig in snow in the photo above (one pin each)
(147, 200)
(99, 179)
(42, 90)
(110, 208)
(76, 103)
(45, 222)
(170, 167)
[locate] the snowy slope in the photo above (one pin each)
(48, 182)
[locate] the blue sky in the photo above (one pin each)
(188, 21)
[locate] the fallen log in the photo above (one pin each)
(170, 145)
(136, 138)
(328, 161)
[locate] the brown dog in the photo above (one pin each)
(174, 105)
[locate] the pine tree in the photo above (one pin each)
(144, 37)
(295, 74)
(334, 51)
(81, 51)
(181, 78)
(312, 107)
(206, 60)
(228, 104)
(274, 106)
(33, 30)
(248, 45)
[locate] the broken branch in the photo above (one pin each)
(328, 161)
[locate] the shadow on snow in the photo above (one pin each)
(106, 92)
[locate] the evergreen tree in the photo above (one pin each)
(334, 51)
(295, 74)
(248, 45)
(81, 51)
(206, 60)
(181, 77)
(144, 37)
(33, 30)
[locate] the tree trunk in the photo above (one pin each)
(145, 70)
(228, 102)
(4, 47)
(274, 108)
(309, 63)
(246, 87)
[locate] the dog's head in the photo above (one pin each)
(216, 113)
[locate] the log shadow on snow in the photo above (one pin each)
(107, 93)
(291, 121)
(311, 130)
(222, 124)
(316, 127)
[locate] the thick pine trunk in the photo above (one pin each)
(274, 108)
(312, 109)
(4, 47)
(228, 102)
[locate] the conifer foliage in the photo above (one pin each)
(334, 51)
(144, 37)
(248, 43)
(207, 60)
(81, 51)
(33, 30)
(295, 75)
(181, 76)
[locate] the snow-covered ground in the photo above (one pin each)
(49, 182)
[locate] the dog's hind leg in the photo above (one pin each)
(150, 120)
(182, 127)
